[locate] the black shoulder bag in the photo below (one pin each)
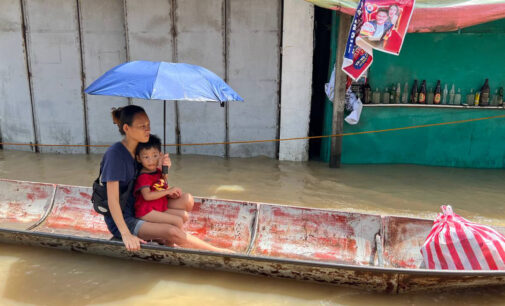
(99, 195)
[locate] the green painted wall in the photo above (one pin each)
(478, 144)
(465, 58)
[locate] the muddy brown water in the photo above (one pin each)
(50, 277)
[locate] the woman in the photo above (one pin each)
(118, 169)
(393, 14)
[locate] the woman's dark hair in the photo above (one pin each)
(125, 115)
(153, 142)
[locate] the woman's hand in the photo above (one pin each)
(166, 161)
(131, 242)
(174, 192)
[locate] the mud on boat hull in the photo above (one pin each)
(379, 253)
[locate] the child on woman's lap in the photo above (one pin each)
(155, 201)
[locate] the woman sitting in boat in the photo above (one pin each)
(118, 168)
(155, 201)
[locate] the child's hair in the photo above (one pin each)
(125, 115)
(153, 142)
(383, 10)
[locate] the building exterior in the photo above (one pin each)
(52, 49)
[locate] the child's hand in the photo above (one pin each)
(174, 193)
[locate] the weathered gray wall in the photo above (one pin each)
(69, 43)
(254, 69)
(54, 55)
(16, 122)
(103, 47)
(200, 40)
(148, 31)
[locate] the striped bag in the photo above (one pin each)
(455, 243)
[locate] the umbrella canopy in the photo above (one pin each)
(163, 81)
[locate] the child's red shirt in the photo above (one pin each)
(151, 181)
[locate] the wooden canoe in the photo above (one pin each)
(368, 251)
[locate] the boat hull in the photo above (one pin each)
(366, 251)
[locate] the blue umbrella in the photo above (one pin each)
(163, 81)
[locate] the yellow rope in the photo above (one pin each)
(271, 140)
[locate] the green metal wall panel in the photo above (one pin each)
(478, 144)
(464, 58)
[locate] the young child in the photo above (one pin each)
(155, 201)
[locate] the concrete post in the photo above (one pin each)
(296, 80)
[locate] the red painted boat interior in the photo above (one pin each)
(291, 233)
(22, 204)
(73, 214)
(312, 234)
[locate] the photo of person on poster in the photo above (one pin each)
(375, 30)
(393, 14)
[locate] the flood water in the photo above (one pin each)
(50, 277)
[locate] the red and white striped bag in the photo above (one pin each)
(455, 243)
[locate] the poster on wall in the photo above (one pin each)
(377, 24)
(385, 24)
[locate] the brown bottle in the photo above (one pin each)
(484, 94)
(422, 93)
(413, 93)
(437, 97)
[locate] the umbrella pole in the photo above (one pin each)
(164, 168)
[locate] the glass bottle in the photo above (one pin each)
(437, 97)
(429, 97)
(500, 97)
(367, 93)
(398, 93)
(451, 95)
(476, 99)
(414, 93)
(376, 96)
(392, 94)
(385, 96)
(470, 98)
(484, 94)
(444, 95)
(457, 97)
(405, 94)
(494, 100)
(422, 93)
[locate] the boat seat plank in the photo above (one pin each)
(24, 204)
(319, 235)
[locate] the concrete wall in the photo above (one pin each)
(103, 47)
(58, 47)
(296, 92)
(254, 73)
(148, 31)
(16, 122)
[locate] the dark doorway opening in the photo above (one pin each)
(321, 59)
